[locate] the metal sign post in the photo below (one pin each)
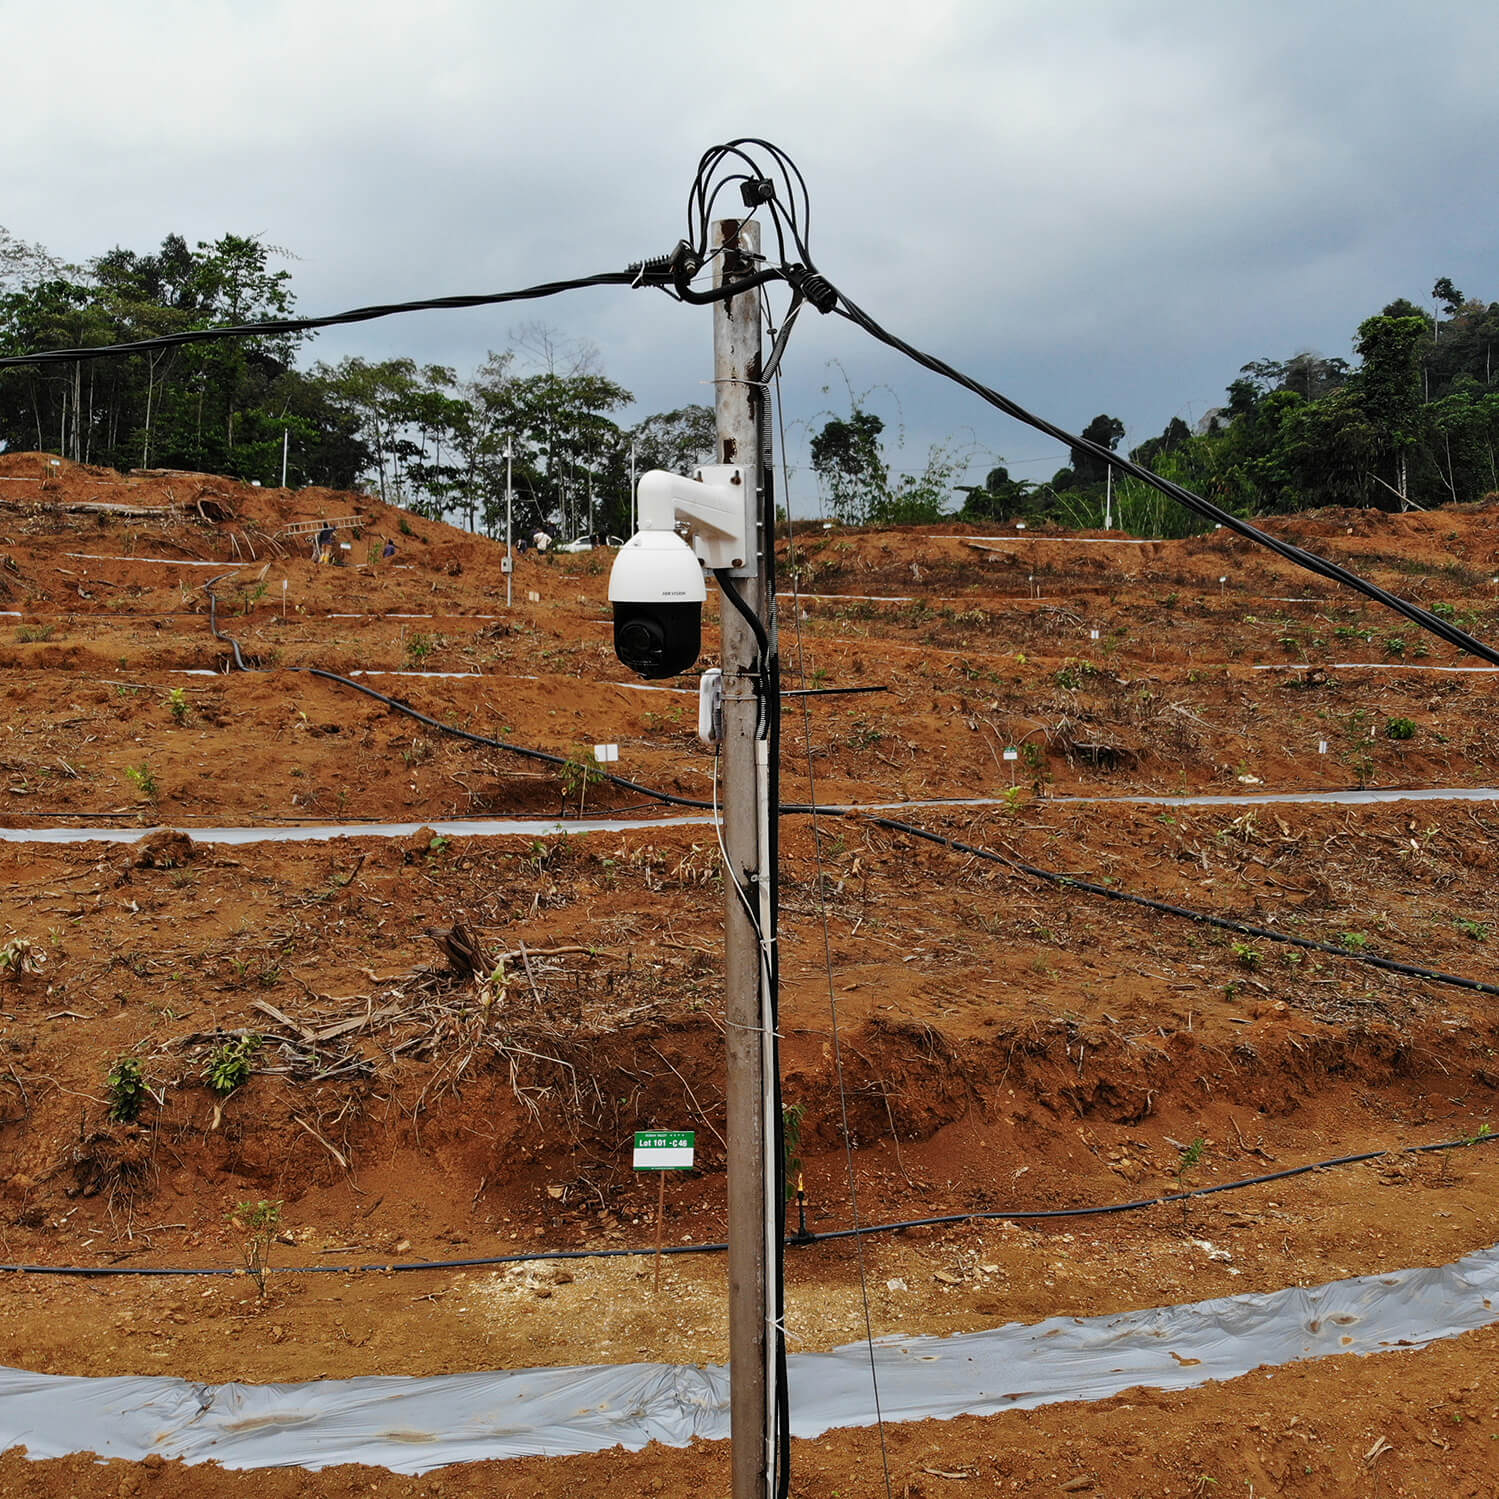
(663, 1150)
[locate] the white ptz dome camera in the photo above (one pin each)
(658, 592)
(657, 586)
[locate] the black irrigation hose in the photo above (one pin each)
(1225, 923)
(794, 1241)
(1032, 871)
(545, 757)
(1103, 1209)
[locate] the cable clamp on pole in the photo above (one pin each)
(812, 285)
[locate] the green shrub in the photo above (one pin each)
(127, 1090)
(143, 778)
(231, 1064)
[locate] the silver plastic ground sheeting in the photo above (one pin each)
(492, 827)
(412, 1425)
(540, 827)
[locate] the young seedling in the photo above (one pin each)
(791, 1137)
(177, 706)
(144, 780)
(127, 1090)
(1247, 955)
(577, 775)
(1188, 1158)
(257, 1221)
(231, 1064)
(228, 1067)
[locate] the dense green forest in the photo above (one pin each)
(418, 435)
(1411, 419)
(1414, 422)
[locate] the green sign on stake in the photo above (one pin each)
(664, 1149)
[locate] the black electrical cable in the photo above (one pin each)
(1310, 561)
(770, 660)
(980, 1215)
(809, 283)
(653, 272)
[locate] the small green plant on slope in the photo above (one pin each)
(1247, 955)
(418, 648)
(577, 775)
(791, 1138)
(227, 1068)
(1477, 930)
(258, 1222)
(143, 778)
(231, 1064)
(127, 1090)
(177, 705)
(1400, 728)
(1187, 1159)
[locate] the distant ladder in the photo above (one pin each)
(312, 527)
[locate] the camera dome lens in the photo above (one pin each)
(657, 640)
(641, 640)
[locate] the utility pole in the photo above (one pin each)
(633, 524)
(751, 796)
(285, 444)
(1108, 498)
(509, 559)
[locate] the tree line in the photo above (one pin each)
(540, 416)
(1413, 423)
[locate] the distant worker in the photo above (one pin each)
(541, 541)
(389, 550)
(324, 548)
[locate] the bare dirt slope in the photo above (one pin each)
(1007, 1041)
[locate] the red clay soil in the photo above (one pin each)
(1006, 1042)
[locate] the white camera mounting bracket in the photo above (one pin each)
(715, 510)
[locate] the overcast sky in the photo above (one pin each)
(1095, 206)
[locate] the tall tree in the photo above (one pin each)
(1389, 390)
(1106, 432)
